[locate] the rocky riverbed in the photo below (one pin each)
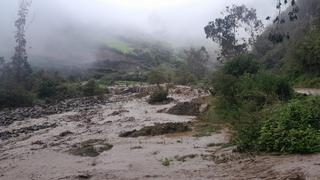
(123, 137)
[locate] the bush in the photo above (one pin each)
(247, 135)
(161, 74)
(183, 77)
(244, 101)
(47, 88)
(68, 91)
(293, 128)
(158, 96)
(243, 64)
(268, 84)
(307, 53)
(15, 97)
(248, 94)
(91, 88)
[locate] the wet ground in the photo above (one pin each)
(72, 145)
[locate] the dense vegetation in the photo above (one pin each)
(253, 89)
(21, 86)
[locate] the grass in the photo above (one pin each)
(127, 83)
(166, 162)
(307, 82)
(90, 148)
(184, 158)
(120, 46)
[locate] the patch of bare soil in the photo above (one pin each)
(85, 144)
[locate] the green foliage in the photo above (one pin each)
(120, 46)
(243, 96)
(307, 53)
(20, 68)
(166, 162)
(91, 88)
(292, 128)
(267, 84)
(196, 60)
(247, 135)
(309, 81)
(255, 101)
(68, 91)
(224, 30)
(250, 92)
(15, 96)
(47, 88)
(241, 65)
(158, 96)
(161, 74)
(183, 76)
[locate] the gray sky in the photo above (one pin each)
(65, 27)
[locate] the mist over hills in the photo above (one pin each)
(71, 33)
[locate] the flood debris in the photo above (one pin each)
(90, 148)
(136, 147)
(5, 135)
(116, 113)
(7, 117)
(186, 157)
(65, 133)
(38, 142)
(158, 129)
(185, 109)
(192, 108)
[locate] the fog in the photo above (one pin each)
(72, 30)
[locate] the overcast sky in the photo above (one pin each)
(62, 23)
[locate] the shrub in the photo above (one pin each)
(91, 88)
(307, 53)
(243, 102)
(68, 91)
(241, 65)
(247, 135)
(47, 88)
(248, 94)
(15, 97)
(268, 84)
(293, 128)
(159, 75)
(183, 77)
(158, 96)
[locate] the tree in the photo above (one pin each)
(19, 67)
(159, 75)
(241, 65)
(276, 35)
(2, 66)
(307, 54)
(196, 61)
(226, 31)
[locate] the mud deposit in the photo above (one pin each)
(84, 143)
